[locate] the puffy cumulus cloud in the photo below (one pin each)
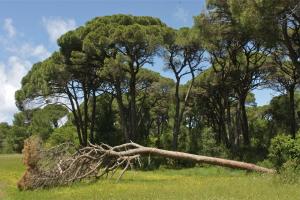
(11, 73)
(181, 14)
(27, 50)
(16, 70)
(13, 70)
(9, 27)
(15, 46)
(56, 26)
(40, 51)
(17, 58)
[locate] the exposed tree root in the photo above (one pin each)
(58, 166)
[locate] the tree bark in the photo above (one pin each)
(122, 111)
(94, 102)
(76, 121)
(229, 124)
(141, 150)
(79, 115)
(176, 128)
(85, 112)
(132, 104)
(292, 111)
(244, 121)
(237, 127)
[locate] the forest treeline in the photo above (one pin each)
(99, 86)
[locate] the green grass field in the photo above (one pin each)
(198, 183)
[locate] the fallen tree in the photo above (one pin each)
(63, 164)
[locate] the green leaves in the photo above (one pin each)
(45, 120)
(284, 148)
(114, 68)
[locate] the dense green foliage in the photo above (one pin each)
(283, 149)
(41, 122)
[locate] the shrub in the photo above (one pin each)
(283, 148)
(63, 134)
(209, 146)
(8, 146)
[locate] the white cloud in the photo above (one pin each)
(17, 68)
(181, 14)
(11, 74)
(19, 56)
(40, 51)
(9, 28)
(55, 27)
(27, 50)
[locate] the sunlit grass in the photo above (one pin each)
(197, 183)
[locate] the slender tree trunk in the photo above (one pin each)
(85, 112)
(244, 121)
(158, 124)
(179, 112)
(79, 115)
(187, 95)
(77, 128)
(122, 111)
(292, 111)
(219, 120)
(237, 127)
(229, 124)
(176, 128)
(76, 121)
(223, 135)
(294, 57)
(190, 126)
(133, 120)
(219, 136)
(92, 138)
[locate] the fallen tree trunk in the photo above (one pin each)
(59, 166)
(197, 158)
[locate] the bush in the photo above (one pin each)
(283, 148)
(15, 139)
(209, 146)
(63, 134)
(8, 146)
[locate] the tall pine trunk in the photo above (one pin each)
(122, 112)
(176, 128)
(94, 102)
(292, 111)
(132, 105)
(244, 121)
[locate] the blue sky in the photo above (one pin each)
(29, 29)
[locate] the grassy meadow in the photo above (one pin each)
(211, 183)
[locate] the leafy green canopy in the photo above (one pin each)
(87, 47)
(104, 51)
